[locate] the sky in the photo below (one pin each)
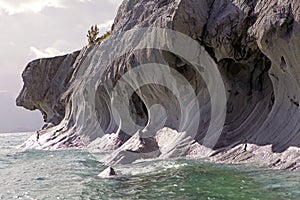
(33, 29)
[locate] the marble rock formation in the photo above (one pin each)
(151, 89)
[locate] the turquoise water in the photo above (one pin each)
(72, 174)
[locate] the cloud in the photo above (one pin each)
(4, 92)
(83, 1)
(116, 2)
(46, 53)
(105, 26)
(14, 7)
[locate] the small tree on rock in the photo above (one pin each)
(103, 37)
(92, 35)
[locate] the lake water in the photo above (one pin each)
(72, 174)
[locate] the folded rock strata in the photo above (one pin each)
(254, 44)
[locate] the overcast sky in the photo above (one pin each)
(41, 28)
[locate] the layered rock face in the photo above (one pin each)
(44, 82)
(216, 79)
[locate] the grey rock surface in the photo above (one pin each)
(45, 80)
(255, 45)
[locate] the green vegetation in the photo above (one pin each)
(93, 33)
(103, 37)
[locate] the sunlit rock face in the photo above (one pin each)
(177, 78)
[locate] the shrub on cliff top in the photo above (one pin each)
(103, 37)
(93, 33)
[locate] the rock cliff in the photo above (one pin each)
(217, 79)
